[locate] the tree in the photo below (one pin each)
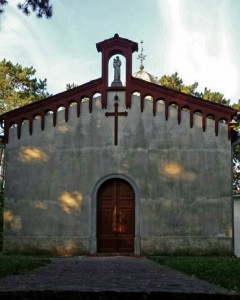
(236, 167)
(42, 8)
(214, 97)
(236, 155)
(70, 86)
(176, 83)
(236, 105)
(1, 208)
(2, 3)
(19, 87)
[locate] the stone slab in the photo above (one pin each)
(115, 277)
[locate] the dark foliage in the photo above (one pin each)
(2, 3)
(42, 8)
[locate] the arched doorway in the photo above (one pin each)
(115, 217)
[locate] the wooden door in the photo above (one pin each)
(115, 217)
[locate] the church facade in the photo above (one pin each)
(122, 169)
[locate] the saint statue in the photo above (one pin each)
(117, 74)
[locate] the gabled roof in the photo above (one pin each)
(117, 41)
(144, 88)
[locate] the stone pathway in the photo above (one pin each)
(107, 278)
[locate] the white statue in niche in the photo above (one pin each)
(117, 72)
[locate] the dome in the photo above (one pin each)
(141, 74)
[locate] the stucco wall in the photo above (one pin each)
(183, 176)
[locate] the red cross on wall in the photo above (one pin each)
(116, 114)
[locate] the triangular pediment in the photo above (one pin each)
(108, 48)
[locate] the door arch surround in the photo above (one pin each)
(93, 238)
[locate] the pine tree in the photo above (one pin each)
(19, 87)
(42, 8)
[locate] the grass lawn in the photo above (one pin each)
(222, 271)
(18, 264)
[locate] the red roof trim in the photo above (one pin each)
(108, 47)
(189, 99)
(117, 41)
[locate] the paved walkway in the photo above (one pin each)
(107, 278)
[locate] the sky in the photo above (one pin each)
(199, 39)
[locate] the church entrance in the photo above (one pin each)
(115, 217)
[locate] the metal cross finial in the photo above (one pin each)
(141, 56)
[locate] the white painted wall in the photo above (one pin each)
(183, 175)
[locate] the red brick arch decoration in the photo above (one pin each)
(125, 47)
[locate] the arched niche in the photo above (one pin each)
(60, 108)
(13, 125)
(37, 121)
(96, 95)
(136, 93)
(97, 100)
(223, 121)
(161, 101)
(173, 111)
(173, 105)
(84, 99)
(148, 97)
(210, 116)
(25, 121)
(198, 118)
(117, 60)
(114, 46)
(160, 105)
(73, 103)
